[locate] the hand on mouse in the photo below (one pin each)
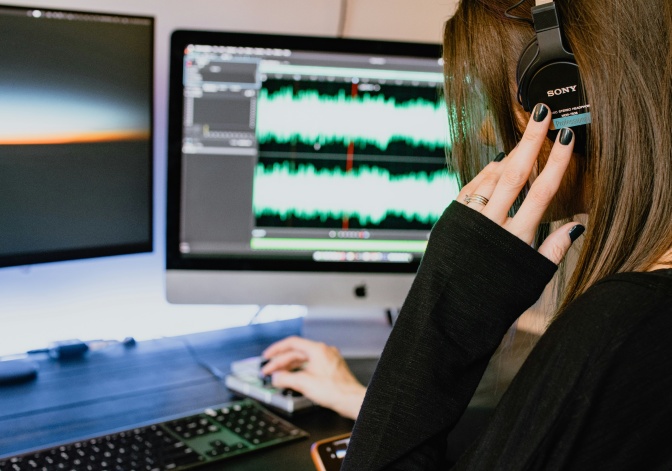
(316, 370)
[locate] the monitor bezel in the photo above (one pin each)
(180, 39)
(39, 257)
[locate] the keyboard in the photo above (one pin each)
(179, 443)
(246, 380)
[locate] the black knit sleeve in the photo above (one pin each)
(474, 281)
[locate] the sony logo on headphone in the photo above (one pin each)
(561, 91)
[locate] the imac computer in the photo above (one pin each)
(76, 93)
(302, 170)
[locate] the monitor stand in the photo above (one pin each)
(357, 333)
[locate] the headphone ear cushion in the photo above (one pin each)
(524, 72)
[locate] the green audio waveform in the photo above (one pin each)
(308, 118)
(369, 194)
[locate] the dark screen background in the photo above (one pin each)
(75, 138)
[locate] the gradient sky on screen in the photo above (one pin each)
(32, 115)
(41, 101)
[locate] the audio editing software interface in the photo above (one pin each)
(311, 155)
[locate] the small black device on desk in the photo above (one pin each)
(17, 371)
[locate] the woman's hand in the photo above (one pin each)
(317, 371)
(500, 183)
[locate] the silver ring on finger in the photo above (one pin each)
(476, 199)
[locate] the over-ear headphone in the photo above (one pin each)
(547, 73)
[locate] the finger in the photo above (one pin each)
(279, 347)
(298, 381)
(290, 343)
(520, 163)
(471, 187)
(544, 188)
(557, 244)
(487, 185)
(289, 360)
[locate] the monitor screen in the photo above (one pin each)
(76, 93)
(295, 159)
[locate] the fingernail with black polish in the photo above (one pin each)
(539, 113)
(576, 231)
(499, 157)
(566, 136)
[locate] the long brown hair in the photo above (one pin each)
(624, 53)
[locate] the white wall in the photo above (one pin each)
(123, 296)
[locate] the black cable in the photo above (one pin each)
(342, 17)
(391, 315)
(74, 348)
(213, 370)
(256, 315)
(514, 17)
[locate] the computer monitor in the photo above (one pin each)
(76, 93)
(302, 170)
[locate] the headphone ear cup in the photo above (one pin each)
(523, 75)
(547, 72)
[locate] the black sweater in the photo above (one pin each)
(595, 393)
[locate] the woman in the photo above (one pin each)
(594, 392)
